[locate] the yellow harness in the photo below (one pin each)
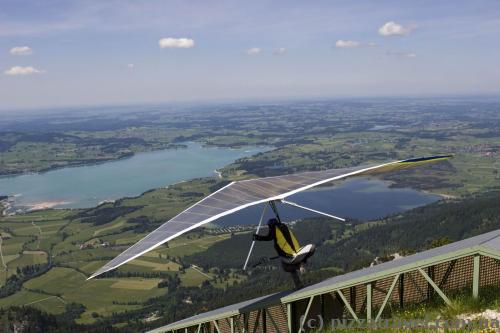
(290, 249)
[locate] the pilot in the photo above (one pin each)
(292, 255)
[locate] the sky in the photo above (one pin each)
(97, 52)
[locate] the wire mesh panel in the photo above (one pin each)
(315, 309)
(489, 273)
(224, 325)
(255, 322)
(279, 316)
(239, 323)
(348, 297)
(360, 299)
(298, 308)
(410, 288)
(331, 307)
(380, 289)
(415, 287)
(356, 297)
(209, 328)
(442, 273)
(192, 329)
(460, 275)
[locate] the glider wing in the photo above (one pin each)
(241, 194)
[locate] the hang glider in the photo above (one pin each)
(242, 194)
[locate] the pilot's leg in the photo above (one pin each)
(293, 270)
(303, 263)
(296, 280)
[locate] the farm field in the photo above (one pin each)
(103, 296)
(48, 254)
(79, 248)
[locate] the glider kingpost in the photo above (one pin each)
(242, 194)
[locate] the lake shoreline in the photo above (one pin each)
(393, 184)
(88, 185)
(90, 162)
(172, 146)
(4, 205)
(332, 205)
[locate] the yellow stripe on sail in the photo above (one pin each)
(283, 244)
(405, 165)
(296, 244)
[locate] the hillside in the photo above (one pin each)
(304, 135)
(162, 283)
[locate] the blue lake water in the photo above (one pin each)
(87, 186)
(356, 198)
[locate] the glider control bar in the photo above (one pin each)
(312, 210)
(275, 210)
(253, 242)
(272, 204)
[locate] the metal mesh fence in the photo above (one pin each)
(410, 288)
(489, 273)
(239, 323)
(278, 315)
(255, 322)
(460, 275)
(224, 325)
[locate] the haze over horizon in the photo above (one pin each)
(60, 53)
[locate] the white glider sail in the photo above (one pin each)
(241, 194)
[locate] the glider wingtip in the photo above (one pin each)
(427, 158)
(444, 156)
(95, 274)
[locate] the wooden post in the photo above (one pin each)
(369, 302)
(435, 286)
(430, 290)
(401, 290)
(306, 313)
(289, 313)
(348, 306)
(264, 326)
(475, 276)
(387, 297)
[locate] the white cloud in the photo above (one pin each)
(279, 51)
(347, 43)
(131, 66)
(21, 50)
(403, 54)
(253, 51)
(19, 70)
(179, 43)
(392, 28)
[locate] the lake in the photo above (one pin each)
(356, 198)
(87, 186)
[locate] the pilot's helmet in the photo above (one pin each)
(272, 222)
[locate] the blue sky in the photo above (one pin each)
(87, 52)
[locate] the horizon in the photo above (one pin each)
(255, 101)
(59, 54)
